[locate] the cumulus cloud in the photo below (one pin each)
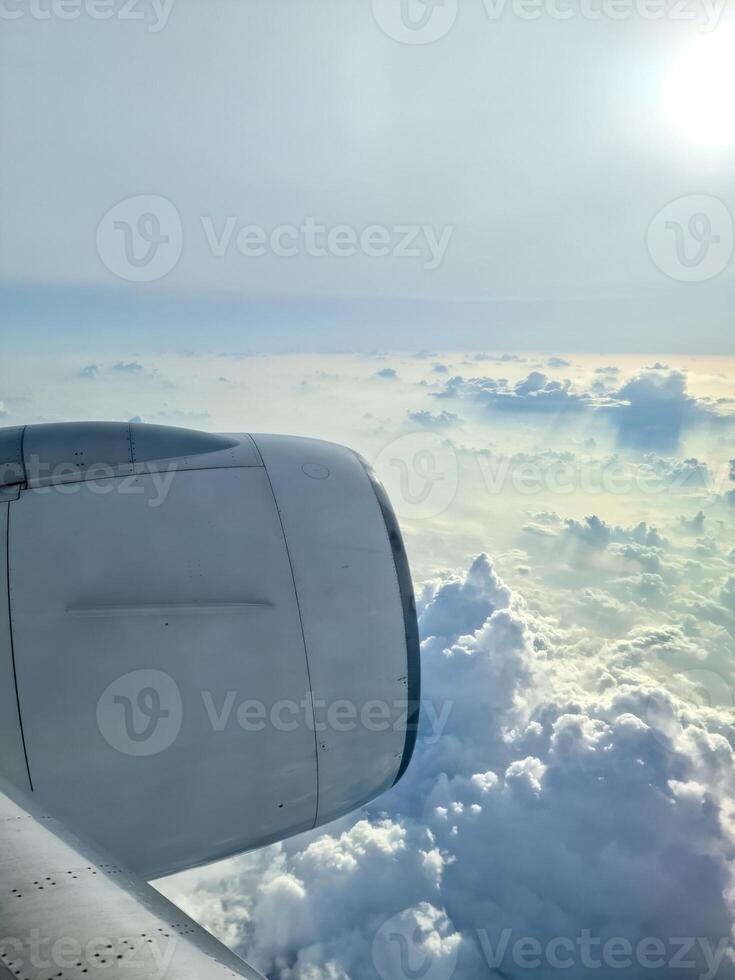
(596, 533)
(440, 420)
(388, 374)
(681, 474)
(176, 416)
(460, 604)
(534, 393)
(593, 532)
(120, 370)
(649, 411)
(127, 367)
(573, 802)
(693, 525)
(500, 358)
(653, 407)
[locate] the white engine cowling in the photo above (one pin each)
(210, 641)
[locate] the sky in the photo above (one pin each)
(326, 178)
(489, 246)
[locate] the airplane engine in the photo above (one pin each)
(210, 641)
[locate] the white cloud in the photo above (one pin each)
(439, 420)
(650, 411)
(570, 791)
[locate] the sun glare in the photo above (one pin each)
(699, 90)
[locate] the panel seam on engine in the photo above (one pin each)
(131, 444)
(303, 636)
(22, 456)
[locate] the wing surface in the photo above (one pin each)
(68, 912)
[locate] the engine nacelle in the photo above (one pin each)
(210, 642)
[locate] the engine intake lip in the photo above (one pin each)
(410, 619)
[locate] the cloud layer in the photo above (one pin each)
(571, 802)
(649, 410)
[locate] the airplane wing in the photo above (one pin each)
(67, 912)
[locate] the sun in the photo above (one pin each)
(699, 90)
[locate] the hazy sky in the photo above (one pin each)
(519, 162)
